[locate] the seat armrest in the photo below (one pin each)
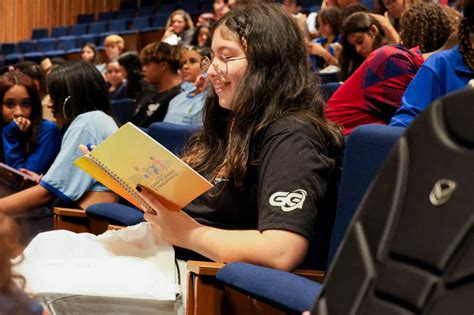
(69, 212)
(204, 268)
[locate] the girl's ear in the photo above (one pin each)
(374, 30)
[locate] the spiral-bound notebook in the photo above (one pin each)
(130, 157)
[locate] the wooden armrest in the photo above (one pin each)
(204, 268)
(69, 212)
(314, 275)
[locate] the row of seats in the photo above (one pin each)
(67, 40)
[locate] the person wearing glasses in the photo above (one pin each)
(267, 147)
(80, 103)
(28, 141)
(161, 64)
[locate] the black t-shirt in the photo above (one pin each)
(292, 187)
(155, 108)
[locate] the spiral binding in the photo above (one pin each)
(119, 180)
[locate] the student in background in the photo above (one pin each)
(80, 104)
(34, 71)
(442, 73)
(179, 28)
(90, 53)
(161, 63)
(136, 84)
(262, 141)
(374, 92)
(28, 141)
(322, 49)
(114, 45)
(360, 35)
(115, 80)
(186, 107)
(12, 299)
(202, 36)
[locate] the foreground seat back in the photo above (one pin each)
(410, 247)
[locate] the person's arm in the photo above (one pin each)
(272, 248)
(49, 143)
(383, 90)
(25, 200)
(390, 32)
(422, 91)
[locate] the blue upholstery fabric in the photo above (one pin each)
(262, 280)
(38, 33)
(367, 147)
(123, 109)
(116, 213)
(171, 136)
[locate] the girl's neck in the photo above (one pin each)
(330, 38)
(168, 82)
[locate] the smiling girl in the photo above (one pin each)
(265, 144)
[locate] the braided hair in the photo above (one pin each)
(466, 29)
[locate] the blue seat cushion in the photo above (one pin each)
(283, 290)
(116, 213)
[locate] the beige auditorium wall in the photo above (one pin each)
(19, 17)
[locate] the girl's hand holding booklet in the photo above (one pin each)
(130, 157)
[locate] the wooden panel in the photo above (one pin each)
(19, 17)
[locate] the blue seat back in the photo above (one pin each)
(59, 31)
(141, 22)
(47, 44)
(78, 29)
(172, 136)
(159, 20)
(27, 46)
(117, 25)
(67, 43)
(9, 48)
(366, 149)
(123, 109)
(106, 16)
(85, 18)
(38, 33)
(97, 27)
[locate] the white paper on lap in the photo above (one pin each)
(122, 263)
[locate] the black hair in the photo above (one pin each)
(77, 87)
(132, 64)
(34, 71)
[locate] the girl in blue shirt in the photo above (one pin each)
(29, 142)
(442, 73)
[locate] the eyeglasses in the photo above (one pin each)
(206, 63)
(10, 103)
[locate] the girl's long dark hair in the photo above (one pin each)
(77, 87)
(132, 64)
(349, 59)
(7, 81)
(277, 83)
(466, 28)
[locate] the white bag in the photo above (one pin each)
(124, 263)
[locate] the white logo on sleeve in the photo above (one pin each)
(288, 201)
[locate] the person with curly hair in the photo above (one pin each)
(442, 73)
(12, 299)
(161, 63)
(374, 92)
